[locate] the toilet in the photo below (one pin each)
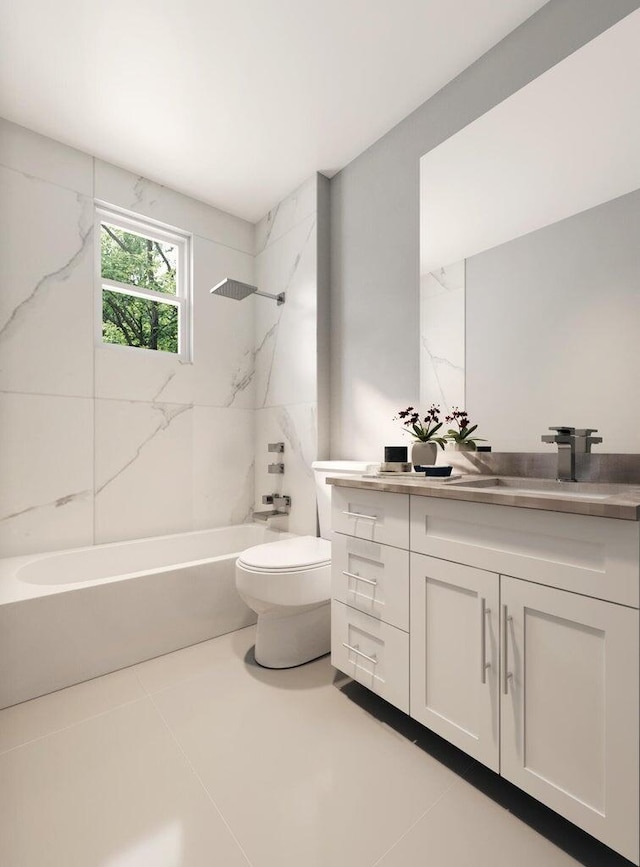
(288, 584)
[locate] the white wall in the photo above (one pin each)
(98, 442)
(375, 227)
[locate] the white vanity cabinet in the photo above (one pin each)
(521, 645)
(455, 656)
(569, 707)
(370, 590)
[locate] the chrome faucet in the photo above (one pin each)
(280, 502)
(570, 441)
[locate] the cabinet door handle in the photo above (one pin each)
(360, 515)
(484, 665)
(506, 674)
(372, 659)
(360, 578)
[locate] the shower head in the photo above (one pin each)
(238, 291)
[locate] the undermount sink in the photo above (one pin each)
(548, 487)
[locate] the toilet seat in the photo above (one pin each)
(290, 555)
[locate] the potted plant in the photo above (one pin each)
(424, 430)
(460, 436)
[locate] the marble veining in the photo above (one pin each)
(63, 500)
(60, 274)
(169, 414)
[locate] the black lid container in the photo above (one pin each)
(395, 454)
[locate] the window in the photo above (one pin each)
(144, 285)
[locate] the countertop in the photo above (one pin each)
(595, 499)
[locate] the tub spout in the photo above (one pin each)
(266, 514)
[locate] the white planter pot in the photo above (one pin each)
(424, 454)
(461, 447)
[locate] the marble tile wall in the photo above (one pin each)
(99, 443)
(286, 356)
(442, 337)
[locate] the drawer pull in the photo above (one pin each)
(360, 578)
(360, 515)
(364, 596)
(372, 659)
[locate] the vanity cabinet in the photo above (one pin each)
(569, 707)
(510, 632)
(455, 655)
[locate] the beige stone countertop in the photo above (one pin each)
(595, 499)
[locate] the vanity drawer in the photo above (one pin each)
(372, 578)
(371, 652)
(588, 555)
(373, 515)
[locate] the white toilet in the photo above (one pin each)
(288, 584)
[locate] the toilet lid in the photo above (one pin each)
(288, 555)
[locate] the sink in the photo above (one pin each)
(547, 487)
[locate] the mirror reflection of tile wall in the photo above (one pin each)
(442, 346)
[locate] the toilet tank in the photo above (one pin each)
(321, 470)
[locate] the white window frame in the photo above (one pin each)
(182, 299)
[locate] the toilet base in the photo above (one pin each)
(289, 637)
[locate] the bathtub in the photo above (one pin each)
(72, 615)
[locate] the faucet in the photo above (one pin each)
(570, 441)
(280, 502)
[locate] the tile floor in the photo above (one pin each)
(201, 757)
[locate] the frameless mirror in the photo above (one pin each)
(530, 255)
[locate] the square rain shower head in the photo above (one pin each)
(233, 289)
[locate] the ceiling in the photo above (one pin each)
(235, 103)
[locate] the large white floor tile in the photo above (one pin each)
(114, 791)
(50, 713)
(302, 775)
(199, 659)
(467, 828)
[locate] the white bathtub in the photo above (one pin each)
(72, 615)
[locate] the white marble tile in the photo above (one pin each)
(46, 273)
(467, 828)
(302, 203)
(296, 426)
(46, 468)
(286, 341)
(50, 713)
(144, 464)
(227, 651)
(41, 157)
(442, 338)
(223, 466)
(116, 186)
(114, 791)
(292, 765)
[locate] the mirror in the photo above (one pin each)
(537, 205)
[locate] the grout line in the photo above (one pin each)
(413, 825)
(71, 725)
(194, 771)
(35, 177)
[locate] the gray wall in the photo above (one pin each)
(552, 326)
(375, 222)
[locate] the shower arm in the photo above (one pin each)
(279, 298)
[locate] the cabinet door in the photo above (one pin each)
(454, 654)
(569, 707)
